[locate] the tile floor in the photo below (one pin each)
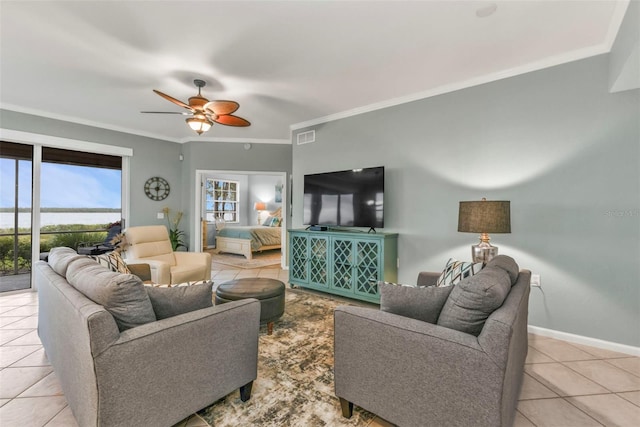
(565, 384)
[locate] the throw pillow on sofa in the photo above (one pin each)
(420, 303)
(473, 300)
(455, 271)
(171, 300)
(113, 261)
(122, 295)
(60, 258)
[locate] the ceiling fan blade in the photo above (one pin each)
(220, 108)
(172, 99)
(229, 120)
(167, 112)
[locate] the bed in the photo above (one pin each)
(245, 240)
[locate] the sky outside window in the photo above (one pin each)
(63, 186)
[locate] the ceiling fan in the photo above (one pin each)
(204, 112)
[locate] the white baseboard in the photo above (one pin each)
(579, 339)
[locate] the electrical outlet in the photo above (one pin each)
(160, 215)
(535, 281)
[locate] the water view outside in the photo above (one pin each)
(54, 218)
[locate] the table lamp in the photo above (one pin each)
(484, 217)
(259, 206)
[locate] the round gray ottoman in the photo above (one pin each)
(269, 292)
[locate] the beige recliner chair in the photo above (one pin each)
(151, 245)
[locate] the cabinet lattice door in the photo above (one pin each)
(368, 267)
(318, 260)
(298, 248)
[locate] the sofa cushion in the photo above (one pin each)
(421, 303)
(171, 300)
(456, 270)
(122, 295)
(473, 300)
(410, 285)
(60, 258)
(113, 261)
(508, 264)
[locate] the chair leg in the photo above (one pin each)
(347, 408)
(245, 391)
(269, 328)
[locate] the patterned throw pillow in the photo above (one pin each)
(456, 270)
(113, 261)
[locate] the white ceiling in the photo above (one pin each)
(285, 62)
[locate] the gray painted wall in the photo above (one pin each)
(262, 188)
(555, 143)
(221, 156)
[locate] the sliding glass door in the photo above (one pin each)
(16, 170)
(77, 197)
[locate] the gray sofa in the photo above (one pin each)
(154, 373)
(415, 373)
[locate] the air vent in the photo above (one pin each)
(306, 137)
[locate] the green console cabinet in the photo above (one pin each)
(347, 263)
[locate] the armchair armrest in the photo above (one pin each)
(385, 362)
(160, 271)
(143, 271)
(186, 362)
(192, 257)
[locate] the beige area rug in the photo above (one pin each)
(295, 373)
(260, 259)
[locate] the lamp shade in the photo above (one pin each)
(260, 206)
(485, 216)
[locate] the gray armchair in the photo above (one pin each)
(414, 373)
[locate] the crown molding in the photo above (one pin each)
(236, 140)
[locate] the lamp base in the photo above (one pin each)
(483, 252)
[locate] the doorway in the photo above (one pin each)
(239, 199)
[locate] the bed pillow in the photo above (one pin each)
(267, 222)
(171, 300)
(420, 303)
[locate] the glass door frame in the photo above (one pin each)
(38, 141)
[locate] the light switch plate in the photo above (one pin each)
(160, 215)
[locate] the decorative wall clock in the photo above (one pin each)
(156, 188)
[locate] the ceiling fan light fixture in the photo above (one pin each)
(199, 123)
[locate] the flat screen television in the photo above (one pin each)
(350, 198)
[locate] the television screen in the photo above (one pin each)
(351, 198)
